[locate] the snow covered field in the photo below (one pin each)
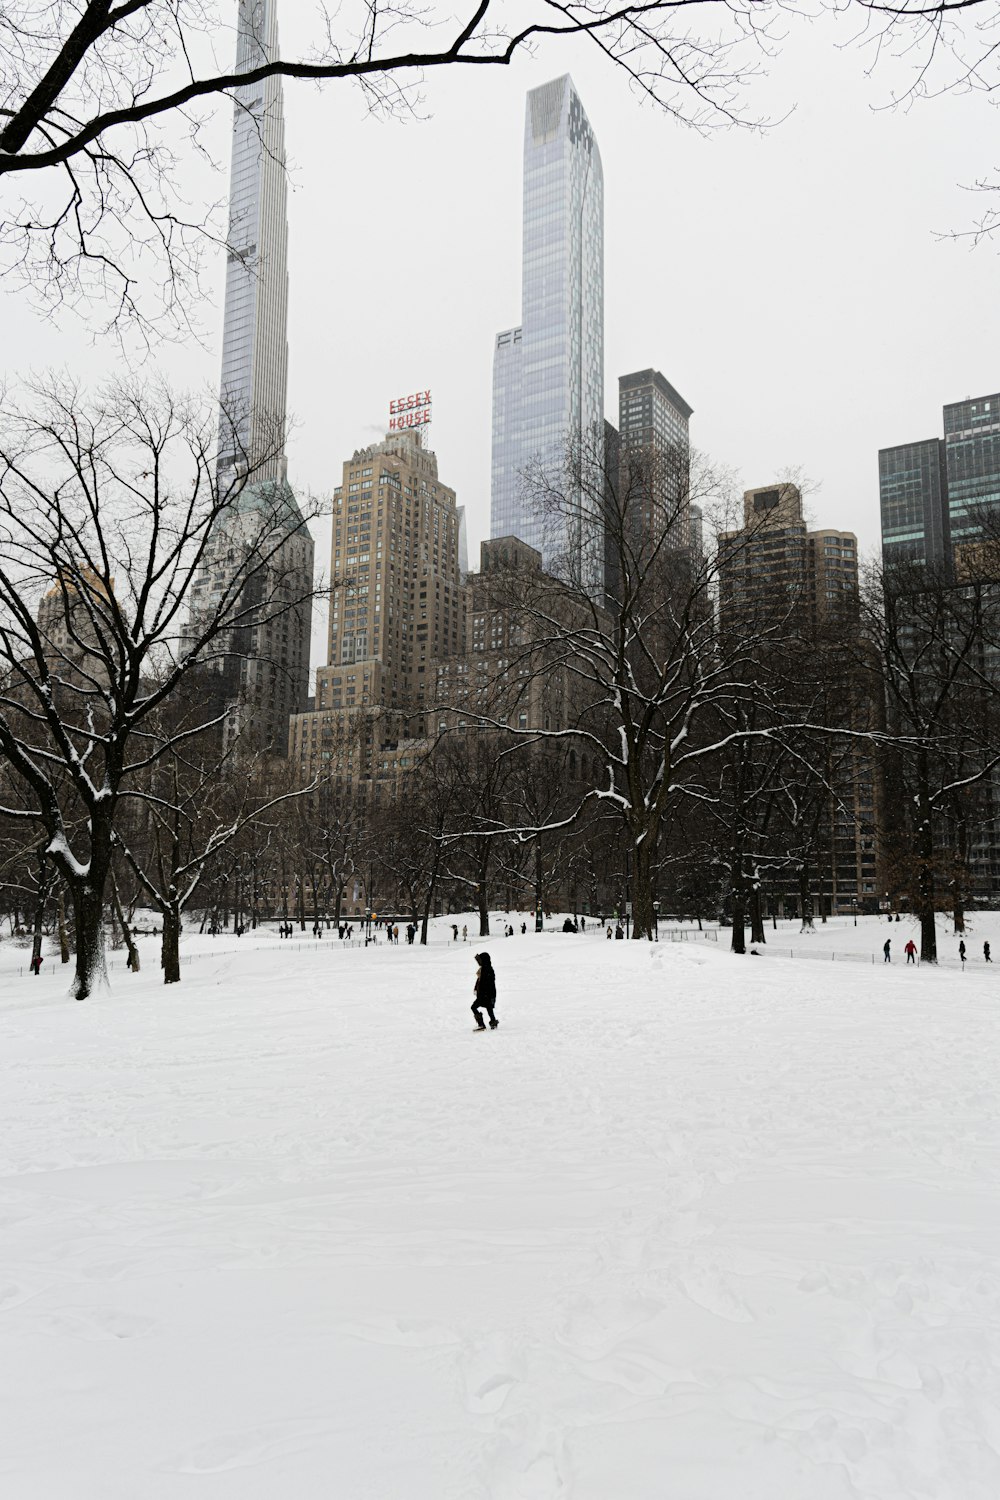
(686, 1227)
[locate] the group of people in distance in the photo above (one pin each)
(911, 952)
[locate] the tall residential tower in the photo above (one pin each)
(264, 675)
(548, 374)
(254, 385)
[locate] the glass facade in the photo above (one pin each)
(972, 460)
(913, 500)
(253, 389)
(265, 675)
(548, 375)
(933, 493)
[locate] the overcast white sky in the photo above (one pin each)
(790, 285)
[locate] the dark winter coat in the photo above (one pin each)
(486, 984)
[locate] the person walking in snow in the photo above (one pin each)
(911, 952)
(887, 959)
(486, 992)
(454, 932)
(961, 952)
(465, 933)
(986, 953)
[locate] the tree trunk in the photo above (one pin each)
(805, 899)
(644, 860)
(539, 881)
(133, 952)
(426, 915)
(43, 896)
(88, 918)
(170, 949)
(63, 936)
(961, 865)
(739, 942)
(925, 853)
(301, 902)
(756, 914)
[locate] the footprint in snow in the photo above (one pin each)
(101, 1323)
(592, 1329)
(239, 1450)
(491, 1367)
(414, 1333)
(529, 1464)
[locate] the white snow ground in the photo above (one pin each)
(686, 1227)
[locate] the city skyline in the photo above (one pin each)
(772, 278)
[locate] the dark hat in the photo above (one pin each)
(484, 958)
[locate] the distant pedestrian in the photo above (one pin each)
(454, 932)
(961, 952)
(486, 992)
(395, 932)
(887, 959)
(465, 933)
(619, 932)
(610, 934)
(986, 953)
(36, 964)
(524, 928)
(911, 952)
(583, 924)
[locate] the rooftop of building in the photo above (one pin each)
(653, 377)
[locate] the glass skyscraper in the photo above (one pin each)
(933, 492)
(548, 374)
(263, 676)
(972, 461)
(253, 388)
(913, 490)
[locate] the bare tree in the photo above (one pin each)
(942, 705)
(103, 105)
(198, 798)
(109, 506)
(654, 683)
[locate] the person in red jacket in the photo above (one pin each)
(911, 952)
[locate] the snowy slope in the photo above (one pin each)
(687, 1227)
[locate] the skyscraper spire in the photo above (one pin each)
(254, 383)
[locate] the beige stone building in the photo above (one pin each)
(395, 566)
(776, 563)
(397, 603)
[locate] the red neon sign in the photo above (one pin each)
(410, 411)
